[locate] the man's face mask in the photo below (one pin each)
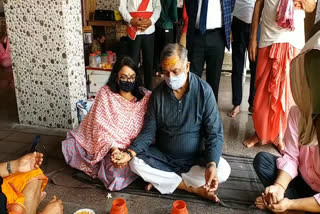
(170, 66)
(176, 82)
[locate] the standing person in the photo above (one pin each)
(6, 72)
(164, 29)
(277, 47)
(208, 33)
(241, 23)
(141, 28)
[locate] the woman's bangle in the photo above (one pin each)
(280, 185)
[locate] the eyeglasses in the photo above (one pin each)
(126, 78)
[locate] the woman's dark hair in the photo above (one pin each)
(112, 83)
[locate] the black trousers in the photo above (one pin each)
(240, 43)
(162, 38)
(208, 48)
(146, 44)
(265, 166)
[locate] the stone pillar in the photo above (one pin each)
(47, 53)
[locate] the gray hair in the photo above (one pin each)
(174, 50)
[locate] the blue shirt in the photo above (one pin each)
(182, 129)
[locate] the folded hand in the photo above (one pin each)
(119, 159)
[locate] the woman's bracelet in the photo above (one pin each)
(280, 185)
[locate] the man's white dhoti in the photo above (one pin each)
(167, 182)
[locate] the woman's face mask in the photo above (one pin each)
(176, 82)
(126, 86)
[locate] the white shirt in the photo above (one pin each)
(243, 10)
(127, 6)
(271, 33)
(214, 14)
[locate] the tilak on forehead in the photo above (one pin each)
(170, 61)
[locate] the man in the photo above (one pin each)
(22, 186)
(293, 181)
(164, 29)
(98, 43)
(208, 33)
(277, 47)
(184, 120)
(241, 22)
(141, 16)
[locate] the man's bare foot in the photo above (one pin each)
(149, 187)
(250, 110)
(259, 203)
(55, 206)
(251, 141)
(235, 110)
(202, 192)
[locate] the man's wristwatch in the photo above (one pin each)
(9, 167)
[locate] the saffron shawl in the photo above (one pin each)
(112, 121)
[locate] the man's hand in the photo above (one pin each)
(27, 162)
(183, 39)
(253, 50)
(274, 193)
(120, 159)
(55, 206)
(211, 178)
(135, 21)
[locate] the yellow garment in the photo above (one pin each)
(14, 184)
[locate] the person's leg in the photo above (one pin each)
(265, 166)
(253, 66)
(147, 45)
(158, 45)
(238, 57)
(169, 37)
(214, 54)
(32, 192)
(197, 54)
(194, 180)
(165, 182)
(135, 46)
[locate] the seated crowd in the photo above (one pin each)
(173, 137)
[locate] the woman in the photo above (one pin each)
(6, 74)
(113, 122)
(293, 180)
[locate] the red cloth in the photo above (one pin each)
(273, 93)
(111, 122)
(285, 14)
(185, 18)
(132, 30)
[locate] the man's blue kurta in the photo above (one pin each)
(179, 133)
